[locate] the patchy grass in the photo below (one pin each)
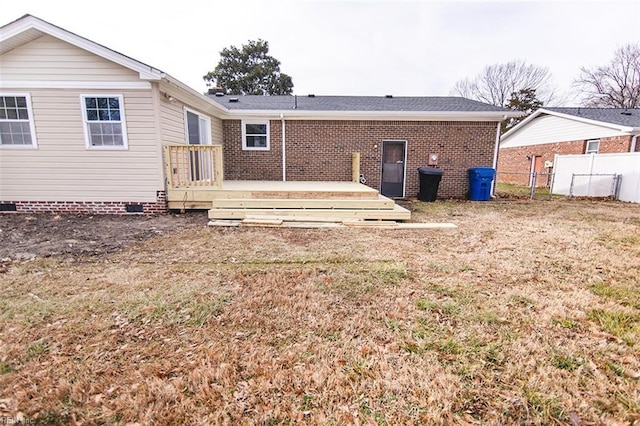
(625, 295)
(526, 314)
(623, 325)
(509, 190)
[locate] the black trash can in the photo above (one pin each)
(429, 181)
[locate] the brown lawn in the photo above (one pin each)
(528, 313)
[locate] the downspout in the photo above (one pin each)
(284, 149)
(634, 142)
(495, 155)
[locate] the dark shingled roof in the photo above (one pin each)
(620, 116)
(353, 103)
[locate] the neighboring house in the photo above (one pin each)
(532, 144)
(86, 129)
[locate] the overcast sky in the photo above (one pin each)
(404, 48)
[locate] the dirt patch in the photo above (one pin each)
(24, 237)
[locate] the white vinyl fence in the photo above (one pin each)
(598, 175)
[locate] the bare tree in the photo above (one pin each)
(616, 85)
(496, 83)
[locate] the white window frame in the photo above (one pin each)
(207, 120)
(586, 146)
(85, 121)
(244, 135)
(32, 127)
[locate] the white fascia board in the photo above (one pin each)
(16, 27)
(541, 111)
(491, 116)
(190, 96)
(589, 121)
(146, 72)
(521, 124)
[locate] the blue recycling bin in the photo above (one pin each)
(480, 179)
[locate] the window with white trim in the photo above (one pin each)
(197, 128)
(592, 146)
(16, 121)
(104, 123)
(255, 135)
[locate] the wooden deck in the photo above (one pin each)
(194, 176)
(311, 200)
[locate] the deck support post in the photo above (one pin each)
(218, 166)
(167, 166)
(355, 167)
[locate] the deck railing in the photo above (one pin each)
(193, 165)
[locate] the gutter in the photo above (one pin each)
(220, 110)
(634, 142)
(375, 115)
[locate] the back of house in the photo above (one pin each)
(86, 129)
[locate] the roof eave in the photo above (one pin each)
(614, 126)
(521, 124)
(538, 112)
(203, 101)
(492, 116)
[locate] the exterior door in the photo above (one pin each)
(197, 133)
(393, 168)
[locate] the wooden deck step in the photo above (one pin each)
(293, 190)
(312, 223)
(380, 202)
(396, 213)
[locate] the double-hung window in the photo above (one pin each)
(255, 135)
(16, 121)
(104, 123)
(592, 146)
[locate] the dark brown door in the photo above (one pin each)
(393, 157)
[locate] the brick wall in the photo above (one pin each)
(89, 207)
(321, 150)
(615, 144)
(514, 166)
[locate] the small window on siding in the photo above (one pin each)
(16, 121)
(592, 146)
(104, 123)
(255, 135)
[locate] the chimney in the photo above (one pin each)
(218, 91)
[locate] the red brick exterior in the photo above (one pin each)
(320, 150)
(514, 164)
(89, 207)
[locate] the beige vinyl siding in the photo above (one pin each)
(50, 59)
(62, 168)
(172, 122)
(551, 129)
(216, 131)
(173, 127)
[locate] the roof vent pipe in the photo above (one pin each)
(311, 95)
(389, 96)
(295, 101)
